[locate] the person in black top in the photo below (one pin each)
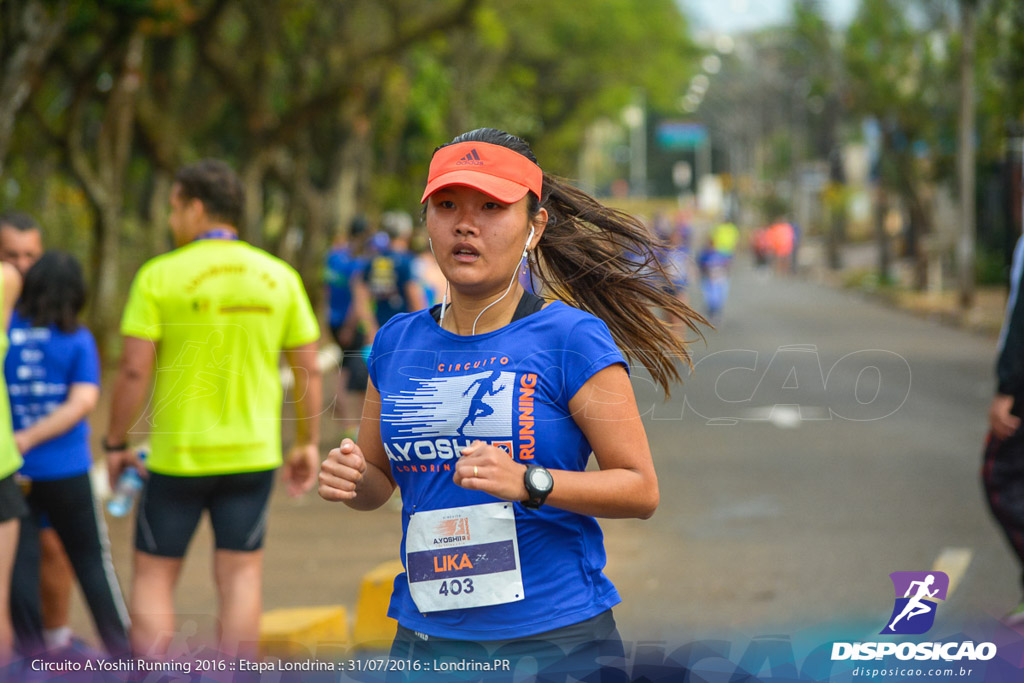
(1003, 470)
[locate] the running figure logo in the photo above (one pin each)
(468, 406)
(914, 613)
(481, 388)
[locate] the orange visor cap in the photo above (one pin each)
(494, 170)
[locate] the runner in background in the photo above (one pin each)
(714, 280)
(679, 260)
(21, 245)
(12, 504)
(52, 371)
(781, 237)
(760, 243)
(426, 271)
(794, 256)
(485, 410)
(725, 237)
(213, 317)
(345, 260)
(387, 286)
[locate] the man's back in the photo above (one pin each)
(220, 312)
(341, 265)
(388, 275)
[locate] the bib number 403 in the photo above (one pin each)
(455, 587)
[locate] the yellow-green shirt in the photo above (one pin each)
(10, 458)
(725, 238)
(220, 312)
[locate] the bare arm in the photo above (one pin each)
(359, 475)
(303, 458)
(625, 486)
(81, 401)
(362, 308)
(1000, 420)
(130, 391)
(415, 295)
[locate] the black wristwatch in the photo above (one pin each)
(115, 448)
(538, 483)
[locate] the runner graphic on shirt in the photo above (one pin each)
(477, 406)
(433, 407)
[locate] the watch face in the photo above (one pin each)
(540, 479)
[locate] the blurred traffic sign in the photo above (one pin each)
(680, 135)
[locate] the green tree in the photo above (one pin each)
(897, 77)
(29, 32)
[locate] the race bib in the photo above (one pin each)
(463, 557)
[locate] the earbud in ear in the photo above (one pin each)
(526, 247)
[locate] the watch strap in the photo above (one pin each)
(536, 497)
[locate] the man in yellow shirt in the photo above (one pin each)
(212, 317)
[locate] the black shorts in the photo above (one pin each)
(12, 502)
(170, 508)
(352, 360)
(358, 371)
(590, 650)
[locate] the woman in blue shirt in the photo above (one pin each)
(53, 376)
(484, 411)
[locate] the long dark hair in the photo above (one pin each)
(605, 262)
(53, 292)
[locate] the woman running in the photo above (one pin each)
(500, 545)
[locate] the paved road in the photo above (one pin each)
(868, 464)
(823, 442)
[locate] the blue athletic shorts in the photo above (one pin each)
(170, 508)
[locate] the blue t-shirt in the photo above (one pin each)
(676, 263)
(713, 264)
(40, 368)
(510, 387)
(342, 264)
(387, 274)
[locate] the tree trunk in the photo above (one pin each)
(836, 234)
(965, 158)
(882, 236)
(837, 214)
(103, 182)
(252, 174)
(42, 25)
(104, 319)
(919, 226)
(158, 212)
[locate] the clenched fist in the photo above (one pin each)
(341, 472)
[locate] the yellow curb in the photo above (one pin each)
(374, 630)
(297, 632)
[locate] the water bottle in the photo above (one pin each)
(129, 484)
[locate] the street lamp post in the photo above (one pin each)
(635, 117)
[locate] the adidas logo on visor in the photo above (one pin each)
(471, 159)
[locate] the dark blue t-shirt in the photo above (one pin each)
(342, 264)
(387, 274)
(511, 388)
(41, 365)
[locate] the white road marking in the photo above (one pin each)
(953, 562)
